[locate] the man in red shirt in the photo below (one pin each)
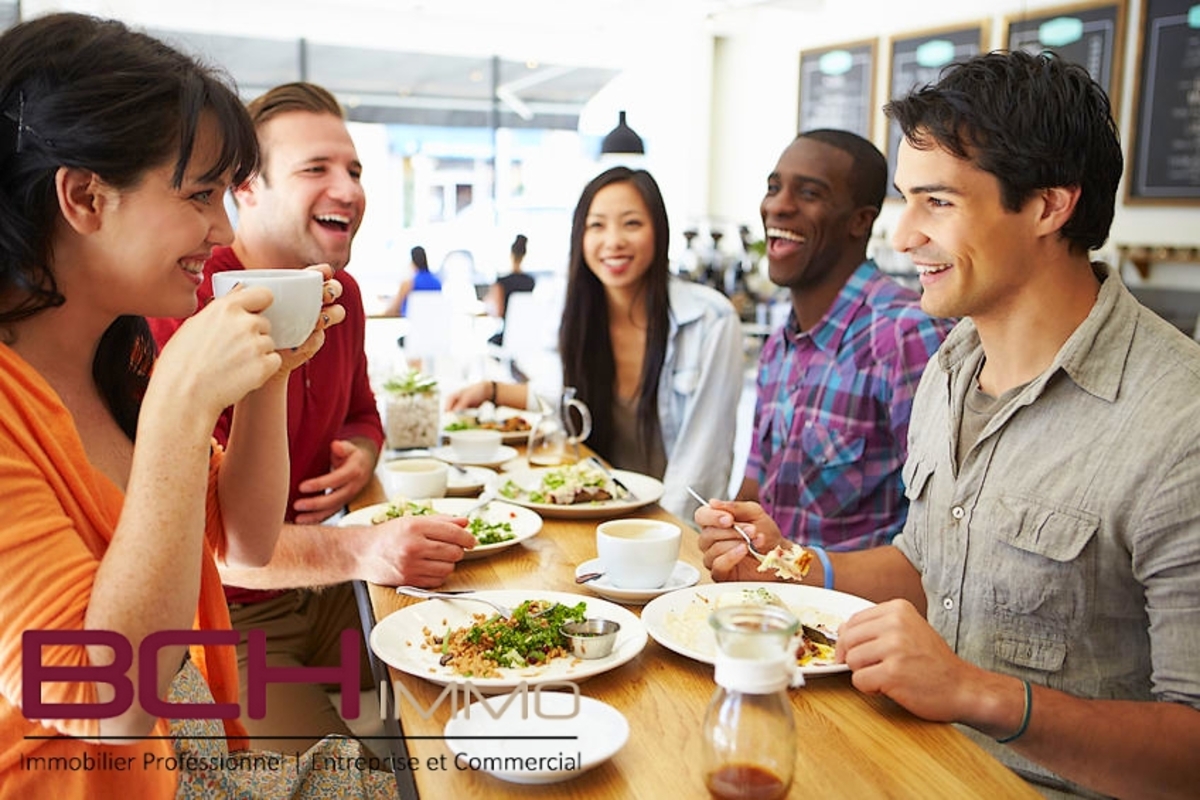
(303, 207)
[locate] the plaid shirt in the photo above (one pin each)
(831, 418)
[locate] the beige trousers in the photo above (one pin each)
(303, 629)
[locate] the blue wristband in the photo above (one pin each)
(828, 567)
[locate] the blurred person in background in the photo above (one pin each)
(421, 280)
(496, 300)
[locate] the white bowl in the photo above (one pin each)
(475, 446)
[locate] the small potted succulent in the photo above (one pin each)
(413, 413)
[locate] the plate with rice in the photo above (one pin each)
(679, 620)
(429, 640)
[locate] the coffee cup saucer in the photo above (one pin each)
(682, 576)
(502, 454)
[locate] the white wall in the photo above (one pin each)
(755, 105)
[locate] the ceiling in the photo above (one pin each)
(409, 88)
(432, 62)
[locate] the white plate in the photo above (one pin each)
(525, 523)
(647, 490)
(447, 453)
(593, 733)
(683, 576)
(470, 484)
(679, 620)
(502, 413)
(398, 637)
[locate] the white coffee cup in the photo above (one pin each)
(637, 553)
(475, 446)
(297, 299)
(414, 478)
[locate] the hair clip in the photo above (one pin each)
(22, 128)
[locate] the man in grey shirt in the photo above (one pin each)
(1045, 591)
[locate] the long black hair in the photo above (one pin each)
(85, 93)
(584, 343)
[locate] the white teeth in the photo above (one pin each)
(932, 269)
(780, 233)
(193, 267)
(334, 218)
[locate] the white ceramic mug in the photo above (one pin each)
(475, 446)
(637, 553)
(414, 478)
(297, 299)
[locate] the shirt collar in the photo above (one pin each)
(685, 306)
(1094, 355)
(829, 331)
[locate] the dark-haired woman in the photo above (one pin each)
(657, 360)
(115, 151)
(496, 300)
(421, 280)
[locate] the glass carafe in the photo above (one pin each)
(558, 431)
(749, 732)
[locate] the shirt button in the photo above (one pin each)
(957, 512)
(948, 603)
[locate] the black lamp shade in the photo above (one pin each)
(622, 139)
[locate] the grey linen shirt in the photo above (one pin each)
(1066, 550)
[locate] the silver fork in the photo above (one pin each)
(467, 594)
(741, 531)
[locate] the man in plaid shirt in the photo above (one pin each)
(836, 382)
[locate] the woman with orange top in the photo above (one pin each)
(115, 152)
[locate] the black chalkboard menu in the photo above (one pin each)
(1165, 158)
(1088, 34)
(837, 88)
(918, 59)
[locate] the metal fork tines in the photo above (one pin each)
(466, 594)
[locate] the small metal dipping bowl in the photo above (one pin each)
(592, 638)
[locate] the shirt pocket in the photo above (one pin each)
(685, 381)
(830, 478)
(1042, 578)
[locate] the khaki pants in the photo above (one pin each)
(303, 629)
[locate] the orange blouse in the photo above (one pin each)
(59, 514)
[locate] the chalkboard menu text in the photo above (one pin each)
(1166, 138)
(837, 88)
(1089, 34)
(918, 59)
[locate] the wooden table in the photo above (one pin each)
(849, 745)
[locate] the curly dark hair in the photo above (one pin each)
(1035, 122)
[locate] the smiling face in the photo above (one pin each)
(816, 233)
(148, 252)
(973, 255)
(618, 237)
(308, 202)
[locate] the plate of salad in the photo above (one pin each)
(448, 641)
(578, 491)
(514, 425)
(497, 526)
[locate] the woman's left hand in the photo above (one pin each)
(331, 314)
